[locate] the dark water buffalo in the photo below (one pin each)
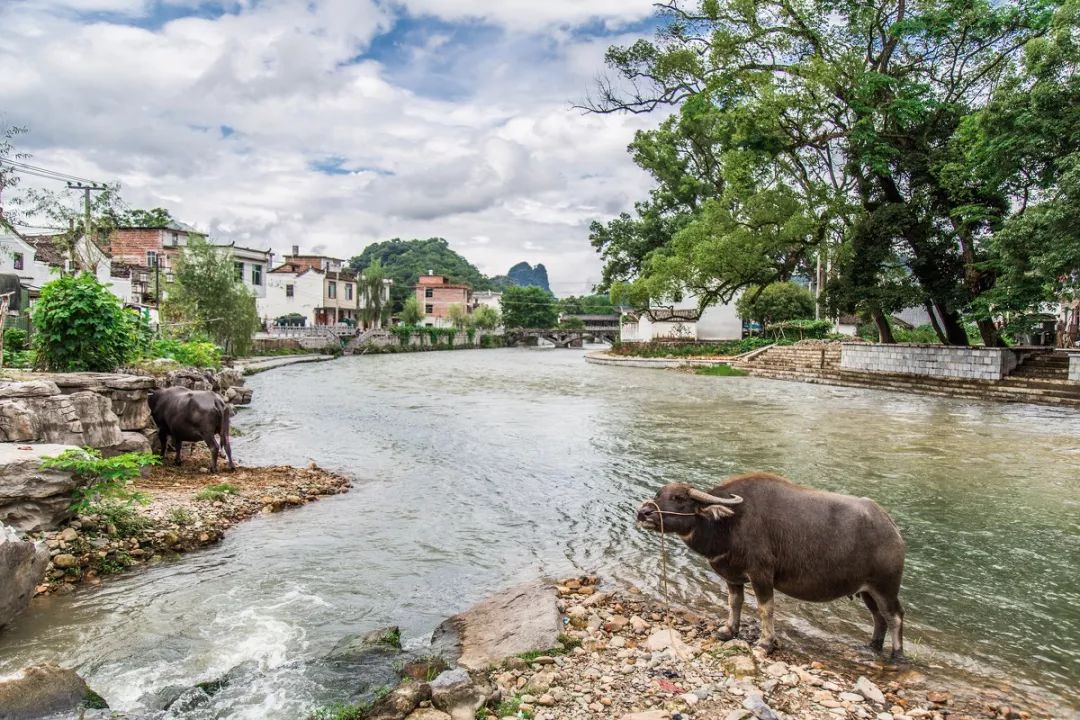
(192, 415)
(776, 535)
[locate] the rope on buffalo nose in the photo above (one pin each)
(664, 589)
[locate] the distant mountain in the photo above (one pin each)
(524, 275)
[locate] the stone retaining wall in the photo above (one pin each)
(1074, 366)
(975, 363)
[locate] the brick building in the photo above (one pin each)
(435, 294)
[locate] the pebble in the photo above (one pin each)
(869, 690)
(65, 560)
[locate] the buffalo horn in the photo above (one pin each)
(705, 497)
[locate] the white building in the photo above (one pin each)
(682, 321)
(288, 293)
(252, 267)
(487, 297)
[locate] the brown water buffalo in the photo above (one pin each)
(192, 415)
(776, 535)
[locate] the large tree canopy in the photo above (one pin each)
(914, 147)
(403, 261)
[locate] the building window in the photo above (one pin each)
(239, 271)
(289, 290)
(18, 261)
(348, 291)
(256, 274)
(428, 309)
(331, 289)
(429, 292)
(151, 259)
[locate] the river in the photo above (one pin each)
(477, 469)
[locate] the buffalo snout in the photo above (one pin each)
(647, 515)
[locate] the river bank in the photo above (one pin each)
(185, 508)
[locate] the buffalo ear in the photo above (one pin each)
(716, 512)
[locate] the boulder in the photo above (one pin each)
(33, 498)
(41, 691)
(516, 621)
(400, 702)
(69, 409)
(428, 714)
(456, 694)
(129, 442)
(22, 568)
(100, 425)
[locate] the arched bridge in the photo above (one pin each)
(574, 331)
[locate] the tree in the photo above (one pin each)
(135, 218)
(9, 177)
(206, 296)
(485, 317)
(528, 307)
(372, 295)
(81, 326)
(457, 315)
(587, 305)
(822, 117)
(776, 303)
(411, 314)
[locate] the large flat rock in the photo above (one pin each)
(22, 567)
(31, 497)
(518, 620)
(42, 691)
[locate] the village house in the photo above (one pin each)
(682, 321)
(319, 288)
(490, 298)
(37, 259)
(436, 294)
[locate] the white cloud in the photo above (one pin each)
(223, 119)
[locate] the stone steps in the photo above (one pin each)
(1062, 395)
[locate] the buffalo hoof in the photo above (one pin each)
(877, 645)
(765, 646)
(725, 633)
(898, 656)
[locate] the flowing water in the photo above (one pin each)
(477, 469)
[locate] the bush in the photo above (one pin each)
(200, 354)
(800, 329)
(777, 303)
(291, 320)
(660, 350)
(16, 339)
(103, 479)
(82, 326)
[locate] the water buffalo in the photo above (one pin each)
(192, 415)
(776, 535)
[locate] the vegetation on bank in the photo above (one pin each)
(721, 371)
(686, 350)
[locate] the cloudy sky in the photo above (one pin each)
(332, 124)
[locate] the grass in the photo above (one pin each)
(213, 493)
(507, 708)
(127, 521)
(721, 371)
(111, 566)
(181, 516)
(339, 711)
(566, 644)
(392, 638)
(93, 701)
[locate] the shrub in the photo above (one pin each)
(724, 349)
(199, 354)
(105, 479)
(213, 493)
(778, 302)
(16, 339)
(800, 329)
(82, 326)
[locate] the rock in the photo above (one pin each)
(41, 691)
(666, 639)
(373, 659)
(455, 693)
(757, 706)
(400, 702)
(638, 624)
(541, 682)
(741, 714)
(869, 690)
(938, 697)
(22, 566)
(425, 669)
(65, 561)
(33, 498)
(129, 442)
(852, 697)
(353, 647)
(428, 714)
(647, 715)
(519, 620)
(69, 534)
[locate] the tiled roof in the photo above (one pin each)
(46, 249)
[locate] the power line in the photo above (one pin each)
(44, 172)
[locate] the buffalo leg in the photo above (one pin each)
(163, 438)
(764, 594)
(734, 603)
(179, 446)
(877, 642)
(889, 605)
(215, 450)
(226, 446)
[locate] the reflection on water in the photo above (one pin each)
(479, 468)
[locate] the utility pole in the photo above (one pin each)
(87, 189)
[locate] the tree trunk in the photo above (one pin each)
(934, 322)
(989, 332)
(955, 334)
(885, 335)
